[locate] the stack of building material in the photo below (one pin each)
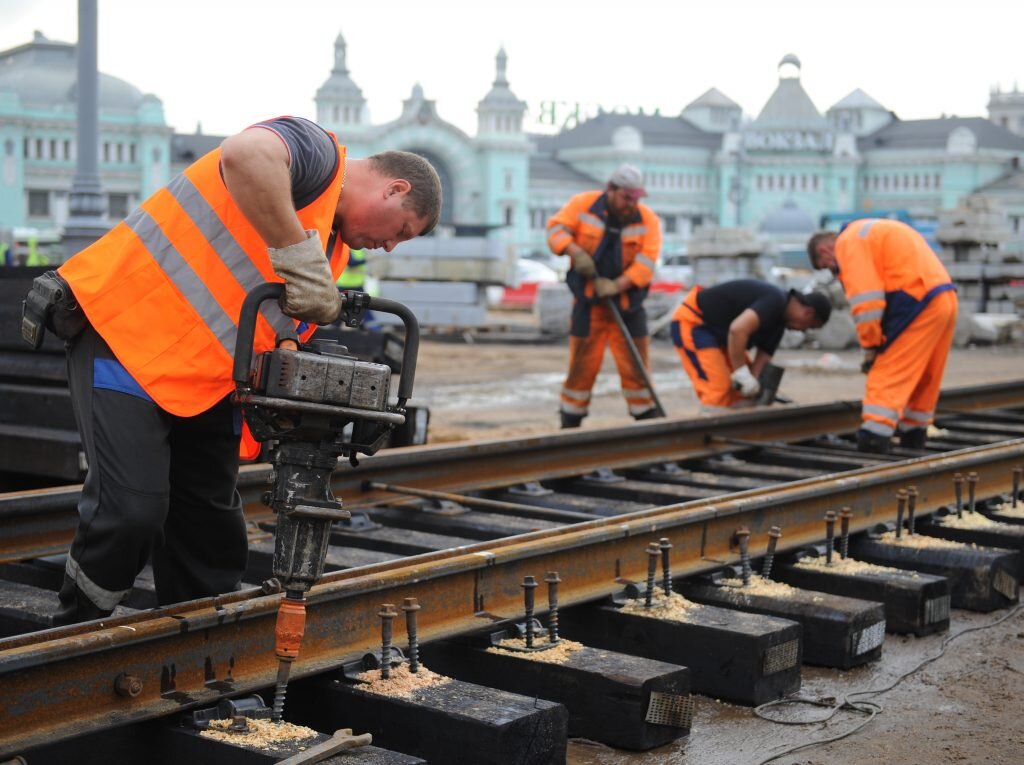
(443, 279)
(989, 278)
(722, 254)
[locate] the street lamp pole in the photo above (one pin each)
(87, 206)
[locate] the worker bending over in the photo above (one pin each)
(613, 242)
(904, 306)
(150, 317)
(713, 328)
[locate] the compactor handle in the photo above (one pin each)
(268, 290)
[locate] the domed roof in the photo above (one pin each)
(788, 219)
(44, 73)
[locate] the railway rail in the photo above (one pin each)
(459, 528)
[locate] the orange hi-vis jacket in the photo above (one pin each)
(164, 288)
(889, 274)
(582, 221)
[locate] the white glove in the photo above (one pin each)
(310, 293)
(745, 382)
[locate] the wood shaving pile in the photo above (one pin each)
(674, 608)
(557, 653)
(849, 566)
(920, 541)
(262, 734)
(759, 586)
(972, 521)
(402, 683)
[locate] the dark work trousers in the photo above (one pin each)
(159, 487)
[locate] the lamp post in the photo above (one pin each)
(87, 205)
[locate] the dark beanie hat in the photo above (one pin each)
(816, 300)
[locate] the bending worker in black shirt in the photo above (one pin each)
(713, 328)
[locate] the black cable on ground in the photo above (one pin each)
(869, 708)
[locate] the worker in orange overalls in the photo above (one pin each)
(713, 328)
(904, 306)
(613, 242)
(150, 354)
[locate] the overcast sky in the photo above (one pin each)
(227, 63)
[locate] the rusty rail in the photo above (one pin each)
(39, 523)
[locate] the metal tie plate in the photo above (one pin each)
(781, 657)
(936, 609)
(670, 709)
(869, 639)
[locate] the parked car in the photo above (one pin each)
(529, 274)
(674, 269)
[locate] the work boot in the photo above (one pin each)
(914, 438)
(872, 442)
(571, 420)
(649, 414)
(75, 606)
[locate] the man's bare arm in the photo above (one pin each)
(255, 167)
(742, 327)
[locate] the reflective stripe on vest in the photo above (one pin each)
(165, 287)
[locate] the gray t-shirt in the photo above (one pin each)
(313, 154)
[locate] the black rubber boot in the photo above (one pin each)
(650, 414)
(914, 439)
(571, 420)
(872, 442)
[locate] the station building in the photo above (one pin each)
(776, 173)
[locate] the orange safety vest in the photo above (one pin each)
(164, 288)
(641, 242)
(889, 274)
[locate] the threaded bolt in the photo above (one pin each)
(774, 533)
(901, 505)
(844, 532)
(411, 606)
(911, 508)
(958, 488)
(552, 579)
(1016, 486)
(743, 540)
(972, 488)
(653, 554)
(529, 585)
(666, 569)
(387, 613)
(830, 535)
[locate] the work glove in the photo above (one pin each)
(310, 293)
(583, 264)
(604, 287)
(868, 360)
(744, 381)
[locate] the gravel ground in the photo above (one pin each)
(486, 391)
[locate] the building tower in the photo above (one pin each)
(1007, 109)
(340, 105)
(504, 152)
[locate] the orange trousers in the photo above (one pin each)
(904, 382)
(705, 362)
(586, 354)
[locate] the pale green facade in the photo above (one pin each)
(777, 173)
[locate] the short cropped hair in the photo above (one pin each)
(424, 195)
(812, 245)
